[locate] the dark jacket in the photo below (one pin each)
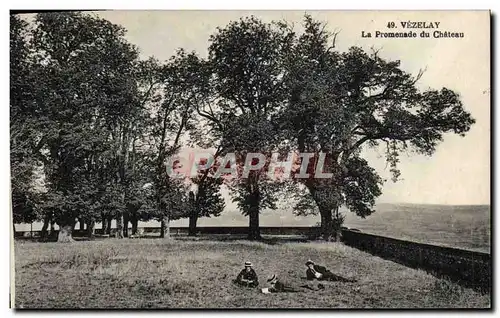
(320, 269)
(280, 287)
(250, 275)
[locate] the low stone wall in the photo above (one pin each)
(467, 267)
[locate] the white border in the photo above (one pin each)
(210, 5)
(254, 5)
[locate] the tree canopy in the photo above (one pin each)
(100, 125)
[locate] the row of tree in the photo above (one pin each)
(98, 124)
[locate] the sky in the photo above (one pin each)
(459, 171)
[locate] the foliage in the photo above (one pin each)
(99, 124)
(24, 135)
(208, 199)
(245, 59)
(339, 102)
(84, 96)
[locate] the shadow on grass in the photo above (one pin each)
(54, 239)
(281, 240)
(267, 239)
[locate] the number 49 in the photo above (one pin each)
(391, 25)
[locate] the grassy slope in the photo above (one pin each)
(153, 273)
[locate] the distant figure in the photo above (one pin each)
(247, 277)
(321, 273)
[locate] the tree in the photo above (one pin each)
(138, 194)
(129, 133)
(85, 93)
(207, 200)
(341, 102)
(24, 134)
(172, 119)
(245, 63)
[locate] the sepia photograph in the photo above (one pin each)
(285, 159)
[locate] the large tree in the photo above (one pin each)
(340, 102)
(172, 118)
(85, 93)
(24, 133)
(245, 62)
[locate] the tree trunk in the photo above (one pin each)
(46, 222)
(104, 223)
(120, 215)
(253, 209)
(337, 235)
(253, 221)
(82, 224)
(91, 228)
(337, 224)
(194, 210)
(165, 227)
(125, 224)
(52, 233)
(193, 219)
(328, 231)
(322, 224)
(135, 221)
(326, 224)
(108, 228)
(253, 226)
(65, 233)
(119, 225)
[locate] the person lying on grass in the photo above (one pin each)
(278, 286)
(247, 277)
(321, 273)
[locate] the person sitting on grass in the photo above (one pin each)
(321, 273)
(247, 277)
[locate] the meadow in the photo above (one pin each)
(156, 273)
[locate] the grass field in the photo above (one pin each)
(155, 273)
